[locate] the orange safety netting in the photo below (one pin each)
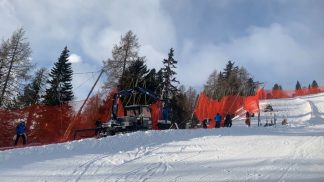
(44, 124)
(155, 113)
(280, 94)
(54, 124)
(51, 124)
(207, 108)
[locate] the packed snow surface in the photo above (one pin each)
(294, 152)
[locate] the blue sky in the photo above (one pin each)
(278, 41)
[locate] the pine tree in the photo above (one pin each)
(15, 65)
(298, 86)
(153, 80)
(169, 80)
(136, 75)
(276, 86)
(34, 91)
(229, 69)
(60, 81)
(314, 84)
(232, 81)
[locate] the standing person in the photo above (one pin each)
(228, 120)
(98, 126)
(205, 123)
(248, 119)
(218, 119)
(21, 132)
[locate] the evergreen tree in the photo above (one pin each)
(137, 75)
(60, 81)
(232, 81)
(276, 86)
(15, 65)
(298, 86)
(314, 84)
(33, 91)
(134, 75)
(229, 69)
(169, 80)
(150, 81)
(177, 103)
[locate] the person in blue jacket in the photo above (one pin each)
(21, 132)
(218, 119)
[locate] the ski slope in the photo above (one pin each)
(294, 152)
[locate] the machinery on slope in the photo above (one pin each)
(136, 117)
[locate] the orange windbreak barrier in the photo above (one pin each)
(155, 113)
(280, 94)
(44, 124)
(51, 124)
(54, 124)
(207, 108)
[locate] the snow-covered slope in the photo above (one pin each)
(294, 152)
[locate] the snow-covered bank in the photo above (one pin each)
(282, 153)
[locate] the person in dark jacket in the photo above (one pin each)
(21, 132)
(248, 119)
(228, 120)
(218, 119)
(98, 126)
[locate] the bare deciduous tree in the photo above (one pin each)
(14, 67)
(122, 55)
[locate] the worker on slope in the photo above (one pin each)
(21, 132)
(228, 120)
(218, 119)
(248, 119)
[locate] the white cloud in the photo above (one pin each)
(145, 18)
(154, 57)
(74, 58)
(271, 54)
(275, 52)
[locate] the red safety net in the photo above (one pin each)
(155, 112)
(281, 94)
(54, 124)
(207, 108)
(44, 124)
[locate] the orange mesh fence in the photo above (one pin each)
(44, 124)
(155, 112)
(54, 124)
(206, 108)
(280, 94)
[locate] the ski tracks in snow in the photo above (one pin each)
(164, 157)
(108, 165)
(302, 152)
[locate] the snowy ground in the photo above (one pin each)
(283, 153)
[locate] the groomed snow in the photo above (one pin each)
(294, 152)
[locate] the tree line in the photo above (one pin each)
(22, 85)
(48, 94)
(231, 81)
